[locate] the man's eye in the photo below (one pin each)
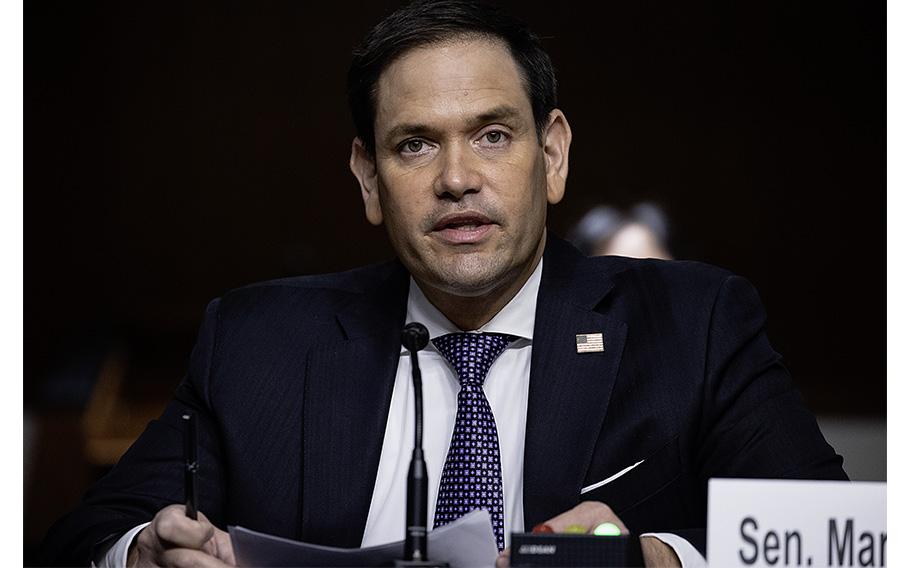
(413, 146)
(494, 137)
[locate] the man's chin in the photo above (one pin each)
(469, 281)
(468, 272)
(465, 289)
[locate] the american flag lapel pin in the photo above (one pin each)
(589, 343)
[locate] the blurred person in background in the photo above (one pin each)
(640, 232)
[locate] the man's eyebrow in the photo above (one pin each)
(496, 114)
(406, 129)
(500, 113)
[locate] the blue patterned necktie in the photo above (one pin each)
(472, 476)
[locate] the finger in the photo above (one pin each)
(174, 529)
(224, 549)
(587, 515)
(189, 558)
(502, 561)
(211, 545)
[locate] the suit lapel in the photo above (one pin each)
(347, 393)
(569, 392)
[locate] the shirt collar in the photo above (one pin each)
(516, 318)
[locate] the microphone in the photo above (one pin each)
(415, 337)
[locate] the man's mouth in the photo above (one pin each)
(461, 221)
(463, 228)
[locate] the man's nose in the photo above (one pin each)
(458, 174)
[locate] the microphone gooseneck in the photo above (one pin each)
(415, 337)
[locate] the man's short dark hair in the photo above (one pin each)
(427, 22)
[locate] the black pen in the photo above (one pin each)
(191, 465)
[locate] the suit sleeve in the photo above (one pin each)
(149, 476)
(755, 423)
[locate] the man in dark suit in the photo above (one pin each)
(636, 381)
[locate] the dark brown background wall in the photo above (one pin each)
(176, 150)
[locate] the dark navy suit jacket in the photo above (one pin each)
(292, 380)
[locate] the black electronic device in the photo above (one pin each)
(549, 549)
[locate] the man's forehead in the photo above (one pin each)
(466, 77)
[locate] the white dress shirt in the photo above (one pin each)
(506, 388)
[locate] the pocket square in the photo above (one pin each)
(613, 477)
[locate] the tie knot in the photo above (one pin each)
(472, 354)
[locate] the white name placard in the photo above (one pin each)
(783, 523)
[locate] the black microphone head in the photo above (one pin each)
(415, 336)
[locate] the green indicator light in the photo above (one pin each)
(607, 529)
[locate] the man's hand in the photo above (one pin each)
(657, 553)
(173, 539)
(588, 515)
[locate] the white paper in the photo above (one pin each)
(465, 543)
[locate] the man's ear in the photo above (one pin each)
(363, 166)
(557, 137)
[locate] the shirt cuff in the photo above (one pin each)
(115, 556)
(689, 557)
